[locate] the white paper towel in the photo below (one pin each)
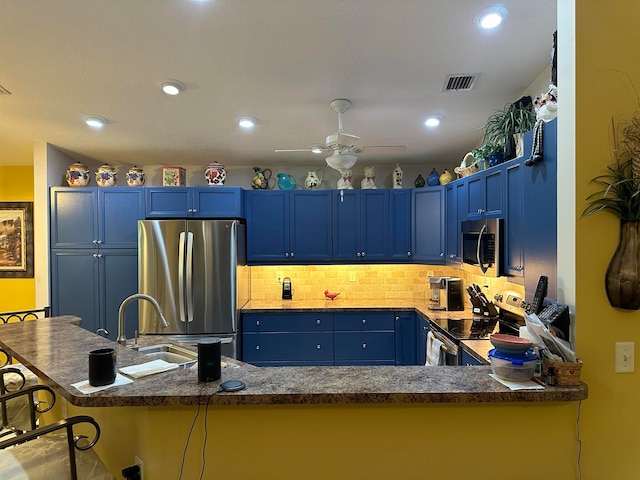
(85, 387)
(149, 368)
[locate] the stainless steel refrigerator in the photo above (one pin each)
(196, 270)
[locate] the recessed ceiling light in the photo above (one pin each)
(247, 122)
(491, 17)
(172, 87)
(95, 122)
(433, 120)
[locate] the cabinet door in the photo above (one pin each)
(493, 192)
(267, 226)
(74, 217)
(168, 202)
(400, 225)
(310, 226)
(118, 278)
(119, 209)
(374, 224)
(346, 226)
(74, 286)
(451, 223)
(468, 360)
(287, 322)
(364, 348)
(217, 202)
(288, 348)
(428, 224)
(475, 196)
(406, 338)
(514, 218)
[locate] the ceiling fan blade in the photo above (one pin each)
(378, 147)
(293, 150)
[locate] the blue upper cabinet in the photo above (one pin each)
(284, 226)
(514, 220)
(400, 225)
(92, 217)
(360, 225)
(428, 225)
(485, 193)
(196, 202)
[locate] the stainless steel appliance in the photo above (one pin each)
(451, 331)
(482, 246)
(446, 294)
(196, 270)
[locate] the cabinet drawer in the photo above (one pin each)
(363, 321)
(287, 322)
(365, 346)
(288, 347)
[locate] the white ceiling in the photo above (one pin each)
(281, 61)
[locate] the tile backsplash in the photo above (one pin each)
(404, 282)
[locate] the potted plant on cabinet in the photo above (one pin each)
(488, 155)
(503, 125)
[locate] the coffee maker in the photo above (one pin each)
(446, 294)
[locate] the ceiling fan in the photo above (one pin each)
(343, 145)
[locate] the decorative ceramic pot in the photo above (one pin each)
(433, 178)
(260, 180)
(622, 280)
(106, 176)
(344, 182)
(496, 159)
(215, 174)
(135, 177)
(77, 175)
(419, 181)
(446, 177)
(314, 179)
(369, 180)
(286, 181)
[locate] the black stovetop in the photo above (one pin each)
(476, 328)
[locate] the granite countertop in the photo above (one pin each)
(56, 350)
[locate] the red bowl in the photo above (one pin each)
(509, 344)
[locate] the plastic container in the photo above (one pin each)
(515, 368)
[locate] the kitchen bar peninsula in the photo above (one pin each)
(305, 422)
(57, 351)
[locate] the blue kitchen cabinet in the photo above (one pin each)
(485, 194)
(427, 218)
(364, 338)
(94, 217)
(400, 225)
(514, 220)
(455, 213)
(423, 326)
(281, 339)
(92, 285)
(468, 360)
(285, 226)
(406, 338)
(360, 225)
(194, 202)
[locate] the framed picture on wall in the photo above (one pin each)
(16, 239)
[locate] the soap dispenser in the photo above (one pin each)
(287, 293)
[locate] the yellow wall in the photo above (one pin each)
(606, 39)
(16, 185)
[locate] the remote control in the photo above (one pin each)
(538, 297)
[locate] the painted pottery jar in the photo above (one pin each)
(106, 176)
(260, 180)
(314, 179)
(286, 181)
(77, 175)
(397, 177)
(215, 174)
(446, 177)
(433, 178)
(135, 177)
(419, 181)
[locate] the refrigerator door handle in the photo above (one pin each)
(181, 253)
(190, 277)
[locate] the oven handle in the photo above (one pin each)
(447, 345)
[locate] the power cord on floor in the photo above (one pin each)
(579, 441)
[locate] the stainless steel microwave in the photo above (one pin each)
(482, 246)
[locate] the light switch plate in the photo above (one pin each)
(625, 357)
(352, 276)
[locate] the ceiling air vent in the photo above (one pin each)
(461, 82)
(4, 91)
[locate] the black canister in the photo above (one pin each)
(209, 352)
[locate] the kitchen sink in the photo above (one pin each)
(170, 353)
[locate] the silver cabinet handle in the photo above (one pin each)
(364, 345)
(257, 322)
(257, 347)
(318, 321)
(358, 254)
(318, 346)
(397, 318)
(286, 254)
(408, 254)
(291, 254)
(364, 320)
(363, 254)
(99, 242)
(442, 254)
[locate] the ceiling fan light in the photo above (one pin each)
(247, 122)
(172, 87)
(317, 148)
(341, 161)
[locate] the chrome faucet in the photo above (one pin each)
(122, 340)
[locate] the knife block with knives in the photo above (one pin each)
(481, 305)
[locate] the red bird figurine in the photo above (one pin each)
(329, 295)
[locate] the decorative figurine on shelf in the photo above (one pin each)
(369, 180)
(106, 176)
(314, 179)
(331, 296)
(260, 180)
(215, 174)
(433, 178)
(397, 177)
(135, 177)
(546, 107)
(77, 175)
(446, 177)
(419, 181)
(344, 182)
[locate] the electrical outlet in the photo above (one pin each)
(138, 462)
(625, 357)
(279, 277)
(352, 276)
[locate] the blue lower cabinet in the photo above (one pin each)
(468, 360)
(406, 338)
(364, 348)
(423, 330)
(288, 348)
